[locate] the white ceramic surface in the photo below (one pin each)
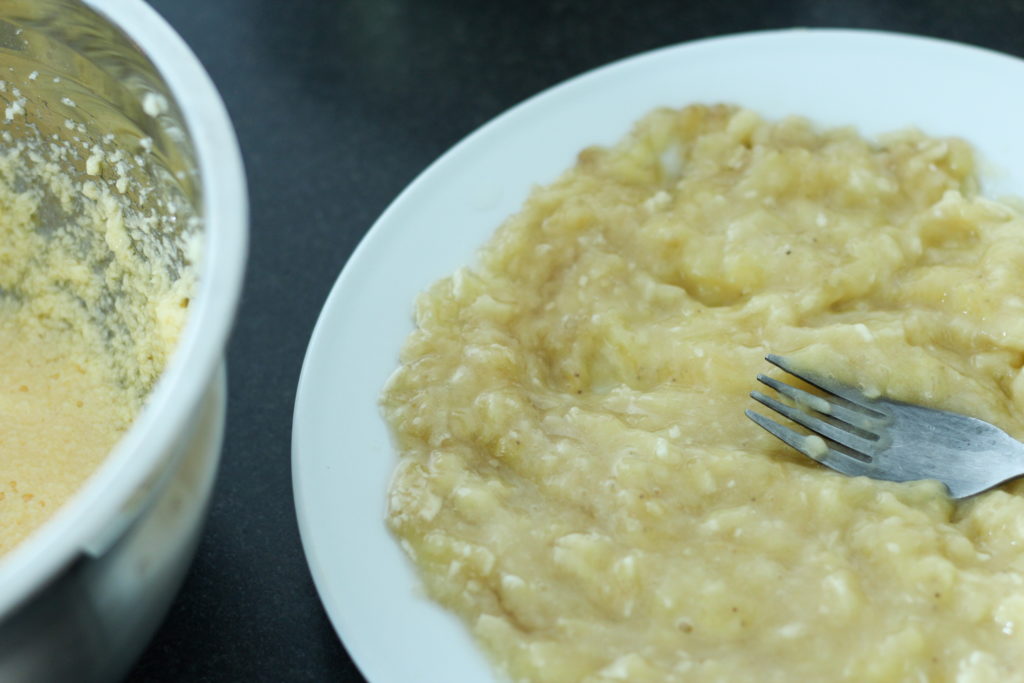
(341, 453)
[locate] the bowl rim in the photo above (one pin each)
(83, 524)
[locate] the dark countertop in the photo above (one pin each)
(338, 104)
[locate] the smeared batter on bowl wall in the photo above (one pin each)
(92, 300)
(577, 479)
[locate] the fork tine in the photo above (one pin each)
(830, 458)
(856, 418)
(797, 441)
(842, 391)
(837, 434)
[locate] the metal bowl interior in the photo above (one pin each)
(110, 77)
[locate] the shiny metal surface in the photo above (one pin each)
(877, 437)
(81, 597)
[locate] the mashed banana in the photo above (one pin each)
(577, 478)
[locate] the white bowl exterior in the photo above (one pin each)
(342, 453)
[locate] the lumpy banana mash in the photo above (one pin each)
(578, 481)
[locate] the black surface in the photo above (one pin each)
(338, 105)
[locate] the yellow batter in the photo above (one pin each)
(60, 414)
(92, 298)
(578, 480)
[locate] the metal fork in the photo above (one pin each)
(885, 439)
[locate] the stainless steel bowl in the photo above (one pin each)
(80, 598)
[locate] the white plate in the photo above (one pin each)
(342, 456)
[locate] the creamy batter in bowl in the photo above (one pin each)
(578, 481)
(95, 288)
(123, 168)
